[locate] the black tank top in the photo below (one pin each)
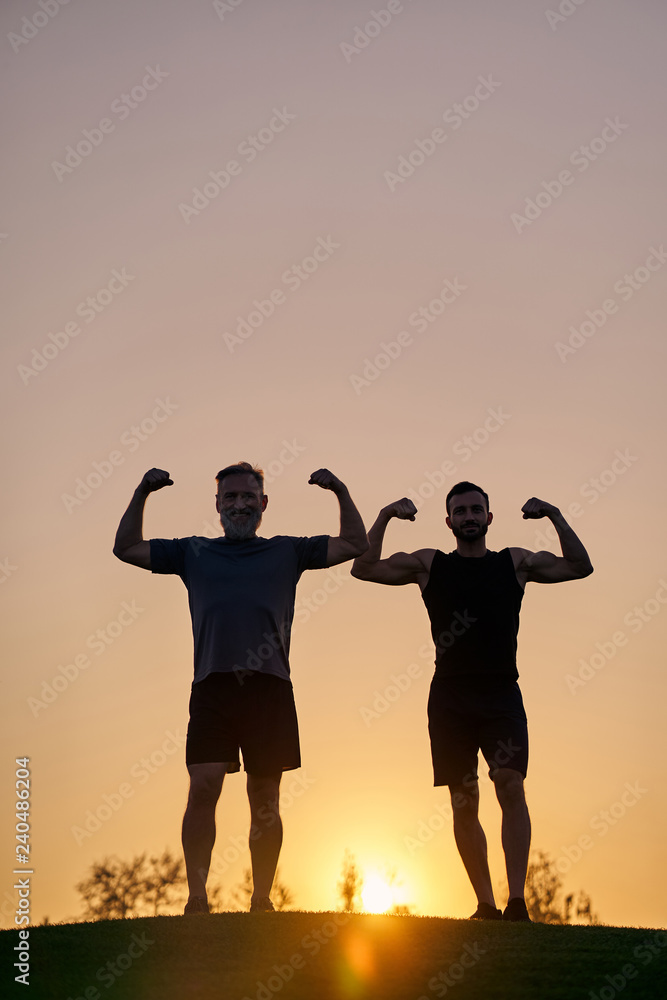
(474, 605)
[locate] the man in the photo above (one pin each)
(473, 597)
(241, 590)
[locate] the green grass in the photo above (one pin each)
(335, 956)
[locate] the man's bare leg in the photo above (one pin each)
(515, 828)
(471, 840)
(266, 832)
(199, 823)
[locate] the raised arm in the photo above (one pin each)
(545, 567)
(130, 545)
(351, 540)
(401, 567)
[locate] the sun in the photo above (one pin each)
(377, 895)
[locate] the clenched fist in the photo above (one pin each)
(538, 508)
(326, 480)
(404, 509)
(155, 479)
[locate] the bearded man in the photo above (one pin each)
(473, 597)
(241, 591)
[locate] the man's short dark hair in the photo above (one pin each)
(466, 487)
(242, 468)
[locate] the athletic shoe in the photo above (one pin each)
(196, 904)
(516, 910)
(261, 905)
(485, 911)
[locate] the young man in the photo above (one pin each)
(473, 597)
(241, 590)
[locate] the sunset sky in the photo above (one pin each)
(413, 243)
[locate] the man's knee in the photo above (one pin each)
(465, 799)
(264, 799)
(509, 785)
(205, 783)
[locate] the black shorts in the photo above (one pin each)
(251, 712)
(464, 717)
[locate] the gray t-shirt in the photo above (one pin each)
(241, 596)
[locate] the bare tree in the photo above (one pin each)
(116, 889)
(113, 889)
(163, 882)
(543, 896)
(351, 881)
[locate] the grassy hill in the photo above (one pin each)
(335, 956)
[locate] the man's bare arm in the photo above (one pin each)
(399, 568)
(545, 567)
(352, 540)
(130, 545)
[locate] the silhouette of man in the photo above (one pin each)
(241, 590)
(473, 597)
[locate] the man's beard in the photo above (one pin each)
(237, 531)
(471, 536)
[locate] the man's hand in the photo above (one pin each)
(155, 479)
(327, 481)
(403, 509)
(539, 508)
